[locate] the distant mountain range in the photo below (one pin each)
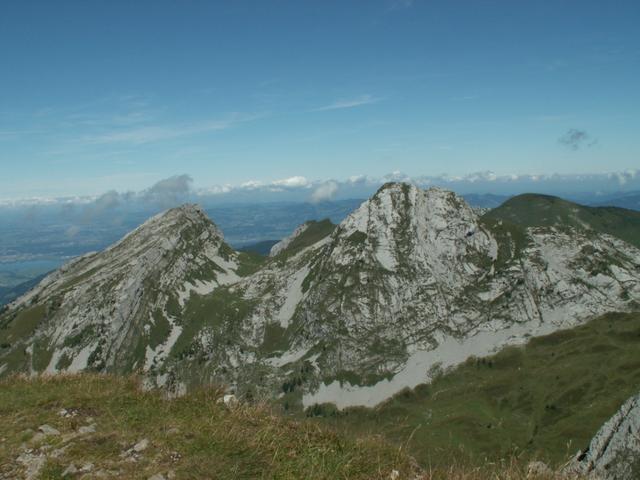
(37, 239)
(410, 285)
(629, 200)
(410, 282)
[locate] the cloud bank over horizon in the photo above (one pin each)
(179, 189)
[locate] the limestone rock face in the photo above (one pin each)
(97, 310)
(411, 282)
(285, 242)
(614, 452)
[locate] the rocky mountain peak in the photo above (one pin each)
(187, 212)
(116, 297)
(183, 213)
(168, 224)
(402, 223)
(395, 203)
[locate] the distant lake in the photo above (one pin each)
(13, 273)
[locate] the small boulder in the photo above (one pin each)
(33, 464)
(230, 400)
(58, 452)
(86, 429)
(141, 446)
(48, 430)
(68, 413)
(70, 470)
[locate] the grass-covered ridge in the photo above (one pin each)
(313, 233)
(261, 248)
(544, 400)
(536, 210)
(190, 437)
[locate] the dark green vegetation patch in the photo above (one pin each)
(534, 210)
(543, 400)
(219, 311)
(249, 263)
(17, 326)
(261, 248)
(315, 231)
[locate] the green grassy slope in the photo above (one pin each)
(260, 248)
(543, 400)
(531, 210)
(192, 437)
(316, 231)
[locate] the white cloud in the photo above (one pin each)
(291, 182)
(357, 179)
(350, 103)
(324, 192)
(170, 190)
(487, 176)
(177, 189)
(396, 176)
(624, 177)
(251, 184)
(215, 190)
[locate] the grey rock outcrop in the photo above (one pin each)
(614, 452)
(285, 242)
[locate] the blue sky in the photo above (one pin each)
(101, 95)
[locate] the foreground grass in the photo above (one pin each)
(189, 437)
(543, 401)
(192, 437)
